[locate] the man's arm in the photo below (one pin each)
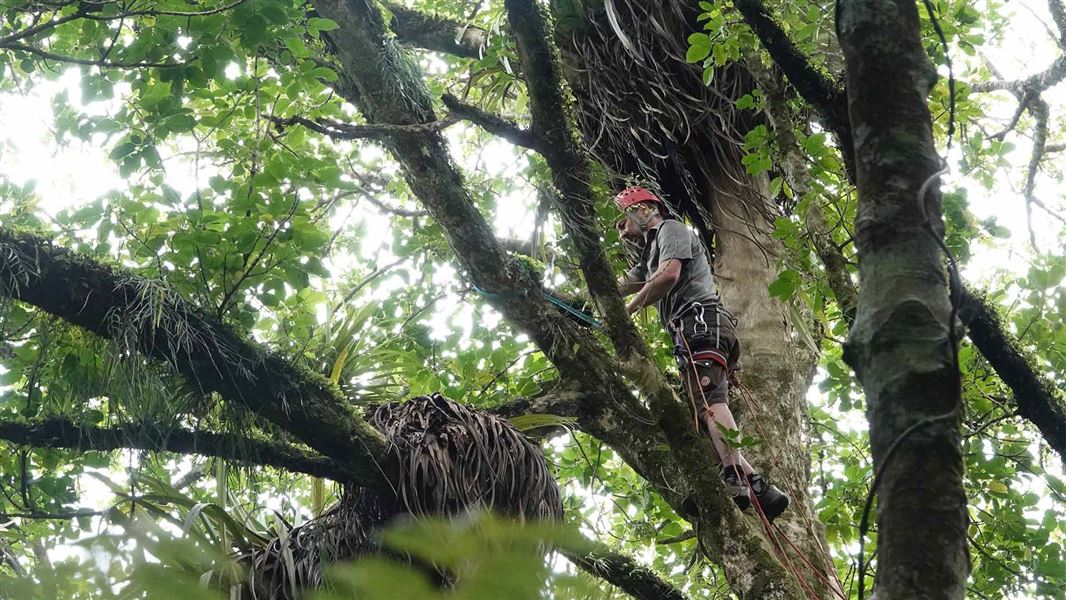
(629, 285)
(657, 286)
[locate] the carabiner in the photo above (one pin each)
(698, 309)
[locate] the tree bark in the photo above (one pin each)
(148, 318)
(437, 33)
(777, 370)
(388, 89)
(62, 433)
(900, 345)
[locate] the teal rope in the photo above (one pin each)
(584, 316)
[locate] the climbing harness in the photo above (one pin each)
(701, 331)
(689, 361)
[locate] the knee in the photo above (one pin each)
(713, 382)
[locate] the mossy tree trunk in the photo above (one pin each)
(900, 345)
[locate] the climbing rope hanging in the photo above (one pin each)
(774, 533)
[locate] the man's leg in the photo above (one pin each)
(721, 415)
(711, 392)
(713, 412)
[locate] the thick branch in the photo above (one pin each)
(349, 131)
(433, 32)
(620, 570)
(494, 124)
(1058, 14)
(1037, 397)
(63, 433)
(144, 316)
(553, 123)
(1034, 83)
(826, 97)
(34, 30)
(811, 83)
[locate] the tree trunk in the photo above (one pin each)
(700, 176)
(777, 371)
(901, 344)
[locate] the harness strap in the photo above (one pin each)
(714, 355)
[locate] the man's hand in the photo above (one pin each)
(657, 286)
(628, 287)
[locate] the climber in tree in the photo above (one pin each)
(674, 272)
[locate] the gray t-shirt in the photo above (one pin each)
(672, 239)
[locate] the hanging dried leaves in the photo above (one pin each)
(452, 460)
(645, 111)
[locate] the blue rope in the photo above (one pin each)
(493, 295)
(584, 316)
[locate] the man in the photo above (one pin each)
(673, 272)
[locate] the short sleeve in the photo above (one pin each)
(674, 240)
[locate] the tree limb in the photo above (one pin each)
(622, 571)
(146, 317)
(494, 124)
(1037, 398)
(1058, 15)
(436, 33)
(349, 131)
(1034, 83)
(64, 433)
(825, 96)
(553, 123)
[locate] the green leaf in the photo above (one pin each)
(786, 284)
(696, 54)
(997, 487)
(122, 150)
(318, 24)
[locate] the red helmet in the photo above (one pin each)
(632, 195)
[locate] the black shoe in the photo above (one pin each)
(772, 500)
(736, 488)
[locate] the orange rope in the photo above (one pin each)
(769, 528)
(837, 588)
(745, 394)
(778, 550)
